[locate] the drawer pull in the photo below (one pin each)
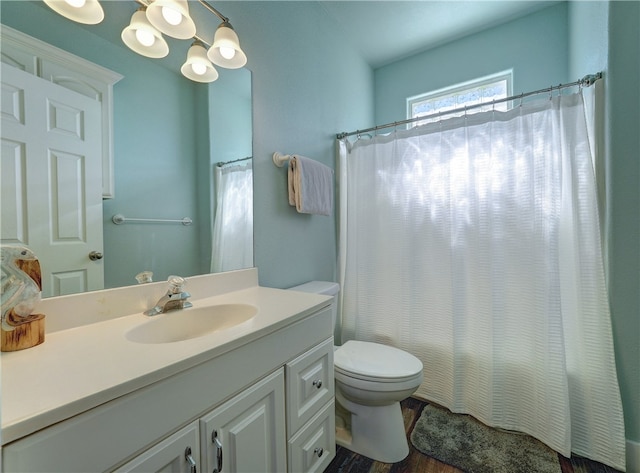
(190, 460)
(317, 383)
(216, 442)
(319, 451)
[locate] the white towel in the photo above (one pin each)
(310, 186)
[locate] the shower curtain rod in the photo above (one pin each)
(224, 163)
(586, 81)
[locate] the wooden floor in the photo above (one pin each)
(349, 462)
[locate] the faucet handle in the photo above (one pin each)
(176, 284)
(144, 277)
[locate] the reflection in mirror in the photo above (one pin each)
(169, 134)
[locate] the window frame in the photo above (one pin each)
(457, 89)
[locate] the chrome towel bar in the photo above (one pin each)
(119, 219)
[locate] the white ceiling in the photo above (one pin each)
(385, 31)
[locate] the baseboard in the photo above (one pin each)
(633, 456)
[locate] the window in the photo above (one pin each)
(482, 90)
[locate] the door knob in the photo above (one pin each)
(95, 255)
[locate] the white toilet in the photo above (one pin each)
(371, 380)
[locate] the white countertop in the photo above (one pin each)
(82, 367)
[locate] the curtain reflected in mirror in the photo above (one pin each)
(233, 216)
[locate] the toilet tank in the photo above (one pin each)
(326, 288)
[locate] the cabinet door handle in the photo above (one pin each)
(317, 383)
(218, 444)
(190, 460)
(319, 451)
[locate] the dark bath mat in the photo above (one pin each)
(462, 441)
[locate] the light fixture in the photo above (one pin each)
(172, 18)
(141, 37)
(88, 12)
(226, 51)
(198, 67)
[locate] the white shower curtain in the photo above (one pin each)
(474, 244)
(233, 219)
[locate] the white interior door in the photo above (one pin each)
(51, 179)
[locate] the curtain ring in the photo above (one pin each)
(521, 97)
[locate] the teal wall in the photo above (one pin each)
(623, 157)
(307, 86)
(535, 47)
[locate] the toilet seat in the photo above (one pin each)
(374, 362)
(373, 379)
(381, 387)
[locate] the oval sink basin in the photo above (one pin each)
(185, 324)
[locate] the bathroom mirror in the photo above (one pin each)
(169, 133)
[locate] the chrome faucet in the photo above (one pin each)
(175, 298)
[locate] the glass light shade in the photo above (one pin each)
(143, 38)
(88, 12)
(172, 18)
(225, 50)
(198, 67)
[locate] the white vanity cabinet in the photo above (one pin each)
(258, 430)
(245, 434)
(268, 398)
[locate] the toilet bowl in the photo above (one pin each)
(371, 380)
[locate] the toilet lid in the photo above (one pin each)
(372, 360)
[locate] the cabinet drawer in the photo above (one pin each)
(313, 448)
(310, 384)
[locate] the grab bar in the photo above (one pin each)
(119, 219)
